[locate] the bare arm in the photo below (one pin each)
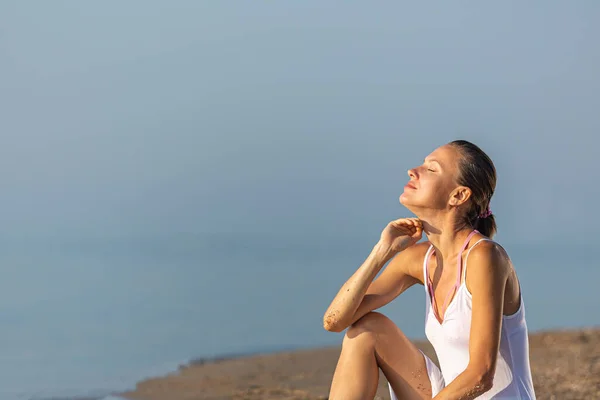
(342, 311)
(487, 279)
(360, 294)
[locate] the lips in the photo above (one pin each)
(410, 185)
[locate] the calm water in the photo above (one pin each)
(89, 317)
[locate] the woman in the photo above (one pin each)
(475, 317)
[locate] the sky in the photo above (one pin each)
(290, 118)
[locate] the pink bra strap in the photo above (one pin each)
(458, 273)
(459, 261)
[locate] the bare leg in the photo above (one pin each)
(374, 342)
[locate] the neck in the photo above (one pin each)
(445, 234)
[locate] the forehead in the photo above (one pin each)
(447, 156)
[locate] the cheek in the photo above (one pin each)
(431, 184)
(436, 189)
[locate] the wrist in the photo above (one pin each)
(383, 252)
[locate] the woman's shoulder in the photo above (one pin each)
(489, 269)
(485, 247)
(411, 259)
(487, 257)
(419, 250)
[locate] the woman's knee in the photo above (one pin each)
(369, 325)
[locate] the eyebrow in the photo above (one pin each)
(433, 160)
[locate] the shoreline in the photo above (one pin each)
(565, 363)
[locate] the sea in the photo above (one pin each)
(90, 317)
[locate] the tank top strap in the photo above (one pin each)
(464, 270)
(459, 258)
(425, 274)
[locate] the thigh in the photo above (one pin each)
(401, 361)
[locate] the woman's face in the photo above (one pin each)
(432, 183)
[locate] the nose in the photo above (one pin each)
(412, 173)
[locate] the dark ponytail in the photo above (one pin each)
(477, 172)
(487, 226)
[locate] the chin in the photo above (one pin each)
(407, 202)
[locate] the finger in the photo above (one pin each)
(400, 222)
(418, 232)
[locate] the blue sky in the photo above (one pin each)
(155, 118)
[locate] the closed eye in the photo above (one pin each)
(431, 162)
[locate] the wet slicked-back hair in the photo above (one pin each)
(477, 172)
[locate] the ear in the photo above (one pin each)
(459, 196)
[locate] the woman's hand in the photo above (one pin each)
(401, 233)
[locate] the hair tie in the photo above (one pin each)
(485, 214)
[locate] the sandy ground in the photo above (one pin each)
(565, 365)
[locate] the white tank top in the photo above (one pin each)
(450, 339)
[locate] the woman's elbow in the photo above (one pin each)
(332, 324)
(484, 380)
(485, 384)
